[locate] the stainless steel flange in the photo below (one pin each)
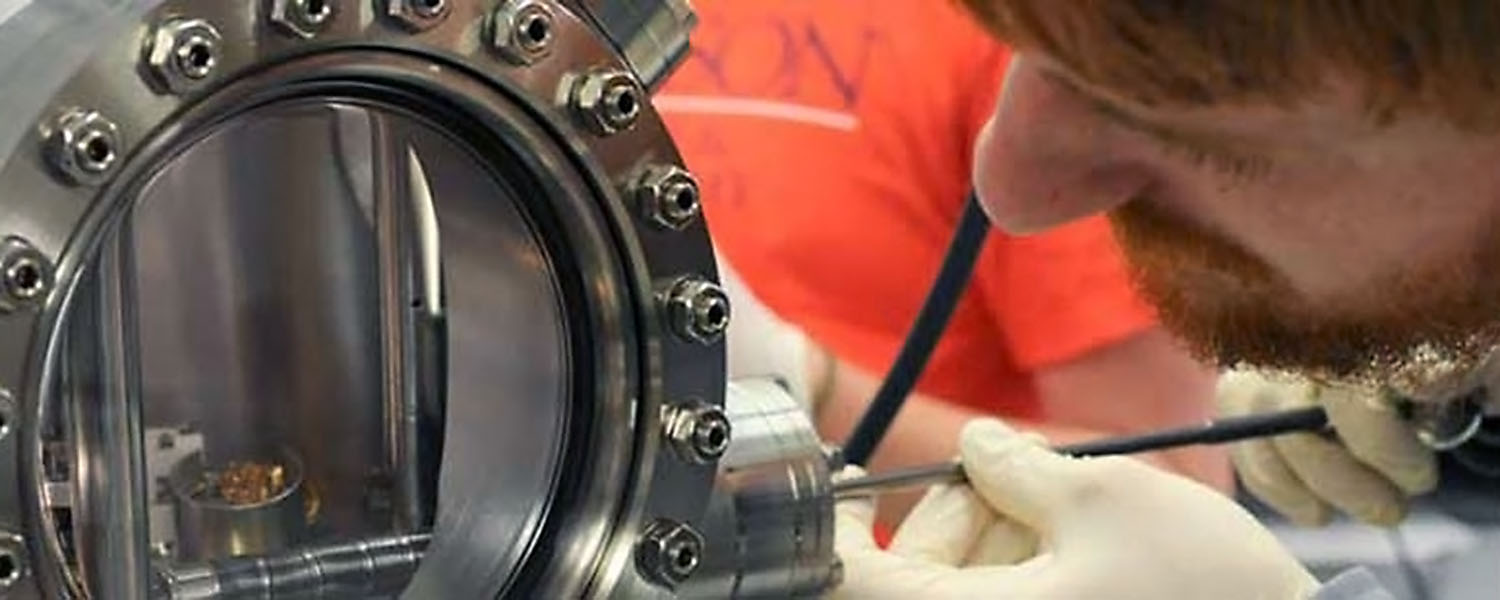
(355, 232)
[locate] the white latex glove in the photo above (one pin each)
(1108, 528)
(1370, 475)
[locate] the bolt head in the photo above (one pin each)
(418, 15)
(522, 31)
(13, 564)
(608, 102)
(699, 432)
(84, 146)
(25, 276)
(698, 310)
(669, 552)
(670, 197)
(302, 18)
(183, 54)
(7, 412)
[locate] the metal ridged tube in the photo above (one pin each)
(770, 522)
(359, 569)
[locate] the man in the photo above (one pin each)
(1303, 186)
(833, 143)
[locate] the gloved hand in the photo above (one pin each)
(1106, 528)
(1370, 475)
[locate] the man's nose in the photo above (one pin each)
(1046, 157)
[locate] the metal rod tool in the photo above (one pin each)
(1217, 431)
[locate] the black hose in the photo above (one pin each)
(953, 277)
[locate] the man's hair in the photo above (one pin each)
(1435, 56)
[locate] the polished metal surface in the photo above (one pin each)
(108, 461)
(235, 207)
(653, 34)
(374, 568)
(770, 524)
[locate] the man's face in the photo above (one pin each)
(1300, 237)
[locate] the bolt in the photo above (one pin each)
(417, 15)
(698, 310)
(7, 412)
(12, 560)
(670, 196)
(522, 31)
(669, 552)
(183, 53)
(699, 432)
(25, 275)
(608, 102)
(84, 146)
(302, 18)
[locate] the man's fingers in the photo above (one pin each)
(1269, 478)
(1004, 542)
(1332, 473)
(1370, 426)
(854, 519)
(944, 526)
(1017, 475)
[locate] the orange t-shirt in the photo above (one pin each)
(833, 140)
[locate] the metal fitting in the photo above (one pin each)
(669, 552)
(418, 15)
(669, 194)
(699, 432)
(302, 18)
(25, 275)
(84, 146)
(608, 102)
(521, 31)
(12, 560)
(183, 53)
(697, 309)
(7, 412)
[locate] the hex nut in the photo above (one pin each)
(84, 146)
(670, 196)
(7, 412)
(183, 54)
(302, 18)
(698, 310)
(418, 15)
(698, 432)
(13, 564)
(522, 31)
(608, 102)
(669, 552)
(25, 275)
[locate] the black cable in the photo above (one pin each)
(953, 277)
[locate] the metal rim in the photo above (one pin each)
(72, 216)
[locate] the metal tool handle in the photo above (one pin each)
(1213, 432)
